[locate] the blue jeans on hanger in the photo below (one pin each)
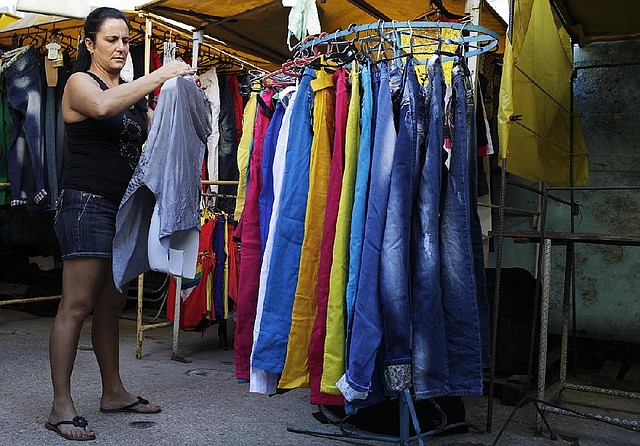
(270, 348)
(430, 364)
(367, 327)
(458, 282)
(26, 147)
(476, 229)
(359, 209)
(395, 271)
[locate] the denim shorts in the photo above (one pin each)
(85, 224)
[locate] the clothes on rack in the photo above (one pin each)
(378, 286)
(201, 304)
(26, 159)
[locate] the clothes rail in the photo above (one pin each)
(485, 38)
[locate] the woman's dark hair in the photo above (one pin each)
(92, 25)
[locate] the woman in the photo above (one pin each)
(106, 122)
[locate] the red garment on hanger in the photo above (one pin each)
(193, 310)
(238, 106)
(319, 331)
(234, 262)
(249, 234)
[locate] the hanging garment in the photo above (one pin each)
(5, 129)
(367, 320)
(238, 103)
(356, 234)
(459, 292)
(248, 232)
(268, 154)
(26, 165)
(218, 276)
(262, 381)
(476, 230)
(430, 364)
(178, 133)
(209, 81)
(270, 348)
(295, 372)
(233, 260)
(395, 293)
(193, 293)
(227, 144)
(244, 149)
(327, 347)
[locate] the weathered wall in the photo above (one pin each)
(607, 277)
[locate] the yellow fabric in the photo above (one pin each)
(305, 306)
(537, 146)
(244, 147)
(443, 34)
(333, 360)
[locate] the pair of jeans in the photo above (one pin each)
(395, 283)
(367, 327)
(270, 348)
(476, 229)
(26, 165)
(458, 282)
(430, 365)
(359, 209)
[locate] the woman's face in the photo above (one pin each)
(111, 46)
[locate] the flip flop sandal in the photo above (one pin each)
(76, 422)
(131, 407)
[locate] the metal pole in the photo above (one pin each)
(496, 294)
(544, 326)
(139, 334)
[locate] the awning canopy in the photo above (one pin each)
(260, 27)
(37, 30)
(594, 20)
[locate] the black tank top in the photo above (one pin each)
(102, 153)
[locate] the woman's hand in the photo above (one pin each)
(173, 69)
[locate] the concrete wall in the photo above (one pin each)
(607, 277)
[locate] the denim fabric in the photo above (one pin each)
(359, 210)
(268, 154)
(395, 276)
(26, 148)
(456, 251)
(248, 231)
(476, 229)
(85, 224)
(430, 364)
(366, 331)
(270, 349)
(179, 132)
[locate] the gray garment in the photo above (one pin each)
(168, 173)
